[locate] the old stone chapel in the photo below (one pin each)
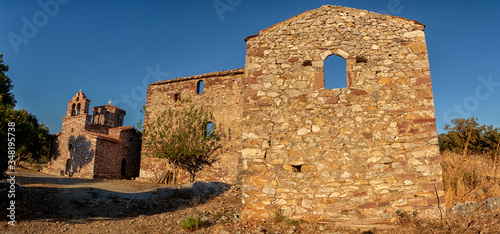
(94, 146)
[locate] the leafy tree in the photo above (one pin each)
(31, 137)
(3, 139)
(7, 102)
(186, 137)
(482, 140)
(140, 124)
(6, 95)
(491, 139)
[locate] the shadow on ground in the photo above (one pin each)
(53, 203)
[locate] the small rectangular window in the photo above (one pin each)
(177, 97)
(297, 168)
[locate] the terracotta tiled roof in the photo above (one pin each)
(103, 136)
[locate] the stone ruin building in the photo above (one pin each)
(94, 146)
(355, 154)
(218, 92)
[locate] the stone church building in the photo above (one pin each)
(354, 154)
(94, 146)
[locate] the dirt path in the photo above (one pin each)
(30, 177)
(53, 204)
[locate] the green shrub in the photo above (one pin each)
(278, 216)
(295, 222)
(192, 224)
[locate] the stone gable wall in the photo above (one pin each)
(357, 153)
(222, 97)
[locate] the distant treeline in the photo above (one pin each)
(469, 136)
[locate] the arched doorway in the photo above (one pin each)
(124, 167)
(68, 167)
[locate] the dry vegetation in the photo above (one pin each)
(466, 178)
(470, 178)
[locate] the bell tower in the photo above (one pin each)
(79, 104)
(77, 116)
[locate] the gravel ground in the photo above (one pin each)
(53, 204)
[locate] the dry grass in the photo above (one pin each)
(470, 177)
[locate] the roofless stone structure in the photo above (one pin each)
(355, 154)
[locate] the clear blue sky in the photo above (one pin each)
(112, 49)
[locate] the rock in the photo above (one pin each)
(224, 219)
(208, 218)
(464, 208)
(316, 128)
(269, 191)
(414, 34)
(303, 131)
(491, 203)
(236, 218)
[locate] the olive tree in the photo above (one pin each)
(185, 137)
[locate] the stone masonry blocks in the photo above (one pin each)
(356, 154)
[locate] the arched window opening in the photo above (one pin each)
(68, 167)
(210, 129)
(200, 87)
(335, 72)
(70, 146)
(107, 118)
(73, 109)
(119, 120)
(77, 99)
(78, 107)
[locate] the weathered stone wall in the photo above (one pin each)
(108, 158)
(73, 144)
(358, 153)
(222, 96)
(130, 148)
